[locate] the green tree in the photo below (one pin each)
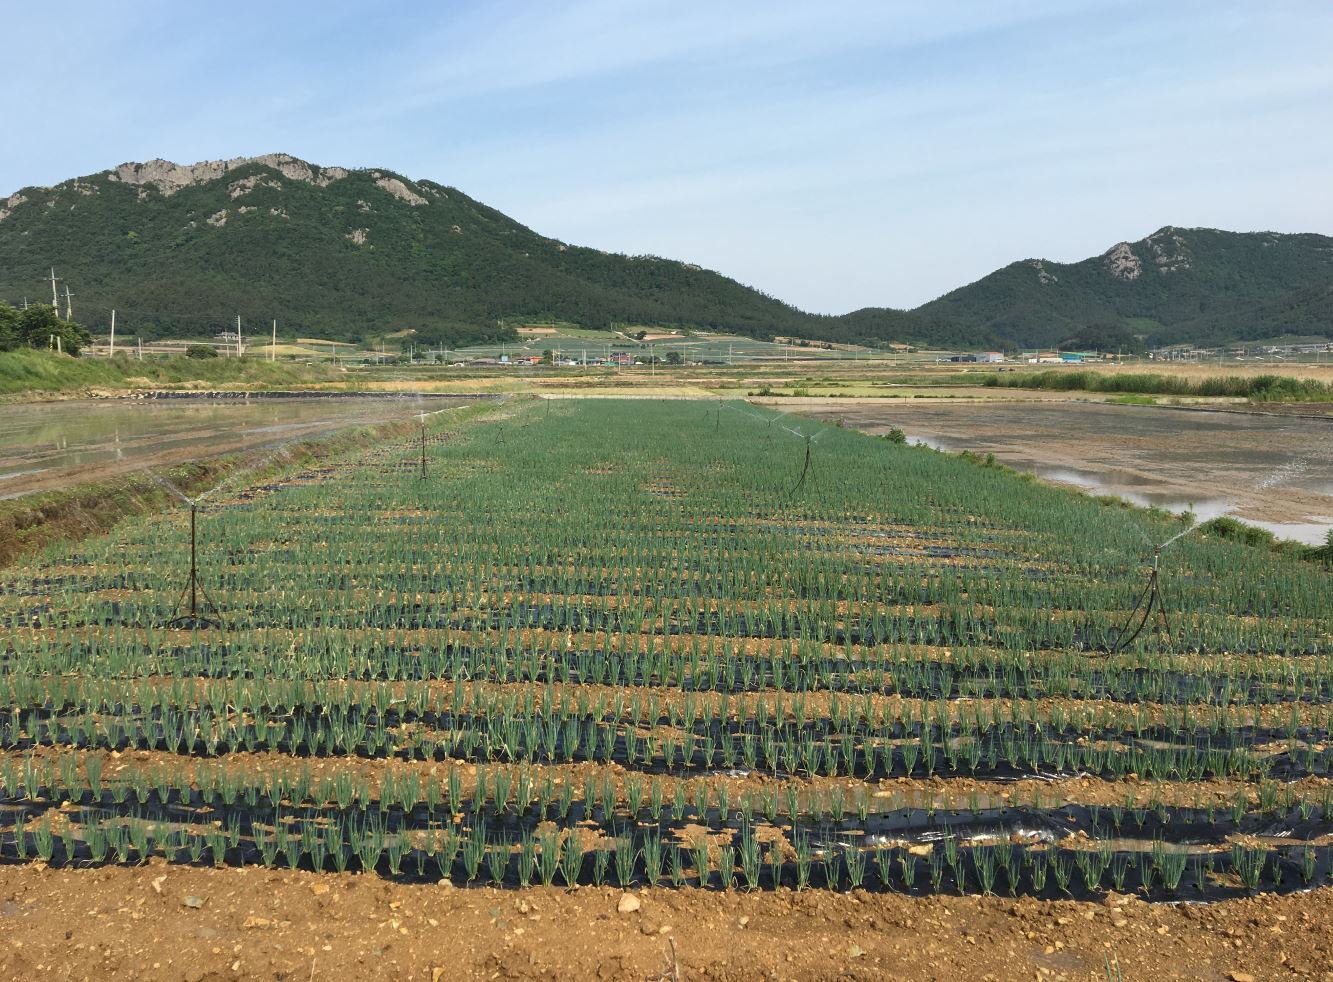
(548, 356)
(1105, 336)
(200, 351)
(9, 327)
(674, 358)
(39, 326)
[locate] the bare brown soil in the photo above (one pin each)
(166, 922)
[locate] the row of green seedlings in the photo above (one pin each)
(694, 662)
(1024, 613)
(41, 680)
(512, 734)
(476, 857)
(731, 579)
(838, 713)
(784, 734)
(516, 793)
(941, 624)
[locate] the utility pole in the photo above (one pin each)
(69, 308)
(238, 335)
(55, 299)
(273, 348)
(141, 349)
(113, 332)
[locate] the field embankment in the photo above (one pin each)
(43, 373)
(32, 522)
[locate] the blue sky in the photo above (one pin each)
(837, 154)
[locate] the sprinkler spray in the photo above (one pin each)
(1150, 600)
(193, 618)
(805, 469)
(1152, 593)
(423, 445)
(768, 422)
(422, 417)
(197, 615)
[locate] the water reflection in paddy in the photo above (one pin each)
(1273, 471)
(54, 444)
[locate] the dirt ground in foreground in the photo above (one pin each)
(171, 922)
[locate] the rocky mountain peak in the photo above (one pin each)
(1122, 263)
(169, 177)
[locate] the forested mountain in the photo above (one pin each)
(180, 250)
(1200, 285)
(337, 253)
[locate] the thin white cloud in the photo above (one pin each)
(837, 155)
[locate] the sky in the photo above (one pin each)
(837, 155)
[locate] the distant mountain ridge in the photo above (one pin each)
(1176, 285)
(342, 253)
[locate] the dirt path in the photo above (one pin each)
(166, 922)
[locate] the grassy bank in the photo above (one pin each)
(1226, 527)
(32, 522)
(27, 370)
(1258, 388)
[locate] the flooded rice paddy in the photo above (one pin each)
(1272, 471)
(45, 446)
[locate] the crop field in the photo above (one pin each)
(718, 349)
(673, 645)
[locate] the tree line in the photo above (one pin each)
(39, 326)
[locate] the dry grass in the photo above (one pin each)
(1203, 370)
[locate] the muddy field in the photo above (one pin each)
(1275, 469)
